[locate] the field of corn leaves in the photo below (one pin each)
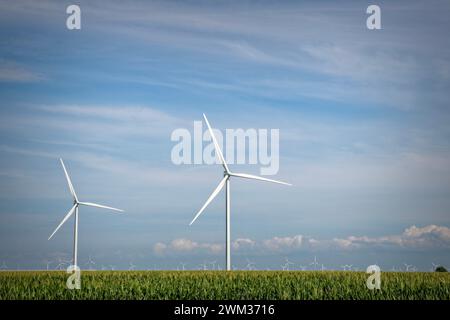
(251, 285)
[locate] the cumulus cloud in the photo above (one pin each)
(278, 243)
(431, 236)
(428, 237)
(159, 247)
(185, 245)
(243, 243)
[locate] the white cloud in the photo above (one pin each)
(159, 247)
(428, 237)
(149, 115)
(243, 243)
(431, 236)
(278, 243)
(181, 245)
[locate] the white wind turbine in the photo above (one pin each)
(434, 266)
(288, 263)
(48, 262)
(314, 263)
(226, 182)
(76, 204)
(408, 266)
(61, 263)
(250, 265)
(91, 264)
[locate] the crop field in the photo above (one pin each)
(218, 285)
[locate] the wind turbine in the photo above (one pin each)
(314, 263)
(48, 262)
(226, 182)
(434, 267)
(288, 263)
(76, 204)
(249, 265)
(90, 264)
(132, 267)
(61, 263)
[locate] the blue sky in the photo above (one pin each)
(363, 118)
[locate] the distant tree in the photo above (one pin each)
(440, 269)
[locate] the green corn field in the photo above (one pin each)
(251, 285)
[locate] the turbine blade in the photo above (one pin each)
(90, 204)
(250, 176)
(216, 146)
(211, 197)
(63, 220)
(69, 182)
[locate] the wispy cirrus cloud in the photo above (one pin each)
(13, 72)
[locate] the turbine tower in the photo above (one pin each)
(76, 204)
(226, 182)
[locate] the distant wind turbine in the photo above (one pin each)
(434, 267)
(250, 265)
(226, 182)
(48, 262)
(314, 263)
(90, 264)
(288, 263)
(61, 263)
(408, 266)
(76, 204)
